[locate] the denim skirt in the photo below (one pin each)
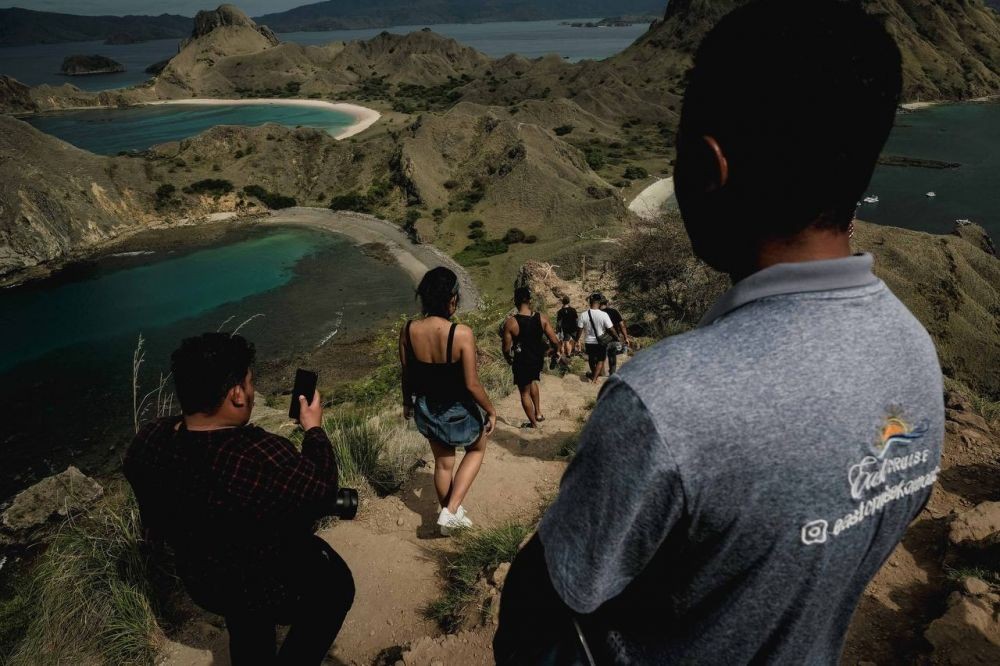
(455, 424)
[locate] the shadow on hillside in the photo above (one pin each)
(975, 483)
(538, 445)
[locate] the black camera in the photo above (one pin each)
(347, 504)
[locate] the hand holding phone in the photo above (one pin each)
(305, 399)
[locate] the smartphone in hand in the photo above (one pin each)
(305, 384)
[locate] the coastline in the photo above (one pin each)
(364, 117)
(414, 258)
(648, 203)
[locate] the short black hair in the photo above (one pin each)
(596, 297)
(436, 290)
(522, 295)
(207, 366)
(565, 300)
(801, 97)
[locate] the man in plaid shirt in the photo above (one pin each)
(237, 505)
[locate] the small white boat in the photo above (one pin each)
(931, 194)
(871, 199)
(963, 221)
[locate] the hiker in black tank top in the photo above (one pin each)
(443, 394)
(524, 346)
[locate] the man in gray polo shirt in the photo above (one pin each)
(738, 486)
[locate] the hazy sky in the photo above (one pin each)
(185, 7)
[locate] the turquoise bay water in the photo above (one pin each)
(110, 131)
(965, 133)
(39, 63)
(65, 375)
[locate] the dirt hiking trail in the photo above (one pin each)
(396, 553)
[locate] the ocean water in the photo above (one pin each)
(110, 131)
(968, 134)
(39, 64)
(68, 340)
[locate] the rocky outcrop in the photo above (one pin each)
(15, 97)
(56, 198)
(968, 634)
(226, 16)
(51, 498)
(85, 65)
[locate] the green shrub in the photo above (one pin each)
(215, 186)
(476, 224)
(270, 199)
(164, 193)
(351, 201)
(635, 173)
(595, 158)
(530, 239)
(514, 235)
(480, 249)
(450, 184)
(563, 130)
(476, 234)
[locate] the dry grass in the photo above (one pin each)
(91, 595)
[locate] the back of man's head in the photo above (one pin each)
(800, 98)
(206, 367)
(565, 300)
(522, 295)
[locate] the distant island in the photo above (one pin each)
(85, 65)
(19, 27)
(615, 22)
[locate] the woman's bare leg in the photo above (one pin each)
(466, 474)
(528, 404)
(444, 470)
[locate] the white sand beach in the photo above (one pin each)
(363, 116)
(651, 200)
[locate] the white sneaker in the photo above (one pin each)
(448, 521)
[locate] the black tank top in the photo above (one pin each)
(530, 335)
(438, 382)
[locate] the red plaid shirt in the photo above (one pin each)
(236, 505)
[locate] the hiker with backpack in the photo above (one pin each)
(524, 337)
(566, 320)
(597, 331)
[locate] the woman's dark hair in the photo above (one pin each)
(436, 290)
(206, 367)
(522, 295)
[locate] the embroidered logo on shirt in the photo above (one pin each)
(895, 432)
(878, 480)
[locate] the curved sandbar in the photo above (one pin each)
(363, 116)
(651, 200)
(414, 258)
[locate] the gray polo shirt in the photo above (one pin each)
(738, 486)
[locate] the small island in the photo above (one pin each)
(613, 22)
(918, 162)
(85, 65)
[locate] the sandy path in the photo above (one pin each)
(396, 554)
(651, 200)
(363, 116)
(415, 258)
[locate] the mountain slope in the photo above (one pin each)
(347, 14)
(24, 26)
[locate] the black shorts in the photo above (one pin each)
(596, 353)
(527, 370)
